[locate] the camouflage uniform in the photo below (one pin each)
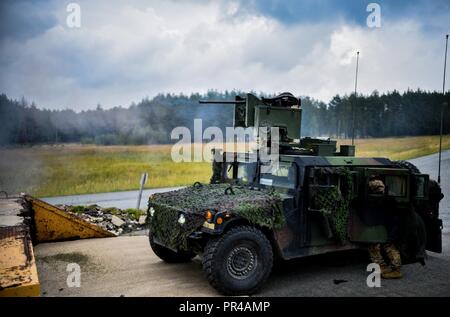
(387, 271)
(391, 269)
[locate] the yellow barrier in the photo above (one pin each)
(18, 273)
(54, 224)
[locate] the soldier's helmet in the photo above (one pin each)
(376, 186)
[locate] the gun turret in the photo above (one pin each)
(282, 111)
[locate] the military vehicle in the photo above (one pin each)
(315, 200)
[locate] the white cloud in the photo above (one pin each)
(124, 52)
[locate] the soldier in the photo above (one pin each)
(389, 270)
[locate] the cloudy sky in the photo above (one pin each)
(126, 50)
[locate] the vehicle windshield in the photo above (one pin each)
(246, 172)
(241, 171)
(282, 175)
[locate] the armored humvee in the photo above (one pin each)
(315, 200)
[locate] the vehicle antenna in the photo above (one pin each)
(442, 111)
(353, 103)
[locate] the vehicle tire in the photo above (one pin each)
(168, 255)
(239, 262)
(407, 165)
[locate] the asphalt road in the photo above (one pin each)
(429, 165)
(122, 200)
(126, 266)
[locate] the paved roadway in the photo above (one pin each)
(429, 165)
(126, 266)
(122, 200)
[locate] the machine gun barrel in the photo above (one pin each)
(227, 102)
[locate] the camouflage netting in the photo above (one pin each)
(334, 204)
(164, 224)
(262, 208)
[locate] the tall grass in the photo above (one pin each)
(79, 169)
(403, 148)
(76, 169)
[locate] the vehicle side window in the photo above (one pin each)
(421, 186)
(326, 179)
(282, 175)
(323, 190)
(396, 185)
(393, 185)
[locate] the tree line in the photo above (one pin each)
(151, 120)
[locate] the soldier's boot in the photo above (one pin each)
(396, 262)
(376, 257)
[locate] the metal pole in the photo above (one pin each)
(442, 111)
(353, 103)
(141, 188)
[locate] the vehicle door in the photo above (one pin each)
(331, 193)
(376, 216)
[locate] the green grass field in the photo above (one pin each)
(80, 169)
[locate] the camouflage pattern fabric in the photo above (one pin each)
(259, 207)
(392, 253)
(334, 204)
(375, 254)
(165, 227)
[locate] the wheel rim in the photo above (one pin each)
(241, 262)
